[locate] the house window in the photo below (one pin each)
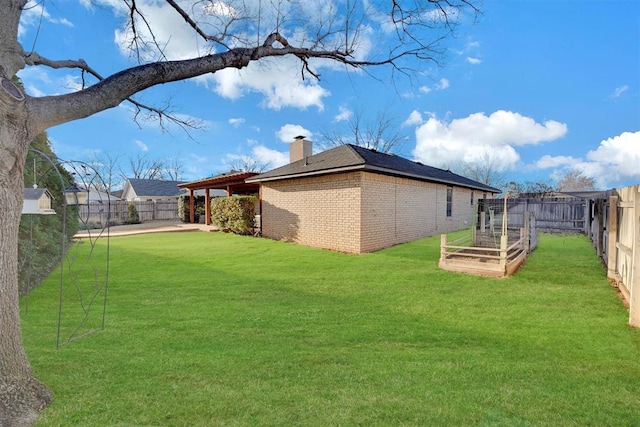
(449, 201)
(471, 197)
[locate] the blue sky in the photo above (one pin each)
(536, 87)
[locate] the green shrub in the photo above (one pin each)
(134, 218)
(183, 208)
(234, 214)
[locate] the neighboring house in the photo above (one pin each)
(37, 201)
(100, 196)
(357, 200)
(151, 190)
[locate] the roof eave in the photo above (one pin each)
(307, 174)
(369, 168)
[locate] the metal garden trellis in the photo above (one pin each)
(84, 271)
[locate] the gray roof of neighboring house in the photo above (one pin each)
(347, 158)
(33, 193)
(155, 187)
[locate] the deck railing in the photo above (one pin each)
(466, 255)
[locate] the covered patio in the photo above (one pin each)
(231, 182)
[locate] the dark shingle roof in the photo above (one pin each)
(351, 158)
(155, 187)
(33, 193)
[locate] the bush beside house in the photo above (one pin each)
(234, 214)
(183, 208)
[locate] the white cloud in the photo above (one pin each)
(547, 161)
(271, 158)
(288, 132)
(220, 8)
(617, 93)
(236, 122)
(615, 160)
(39, 82)
(197, 158)
(344, 114)
(32, 15)
(619, 156)
(473, 45)
(442, 84)
(415, 118)
(473, 61)
(141, 145)
(277, 80)
(477, 136)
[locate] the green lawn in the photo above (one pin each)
(206, 329)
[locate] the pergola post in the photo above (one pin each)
(192, 202)
(207, 207)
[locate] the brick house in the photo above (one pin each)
(352, 199)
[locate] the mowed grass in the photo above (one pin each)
(211, 329)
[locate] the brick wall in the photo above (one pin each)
(360, 211)
(317, 211)
(398, 210)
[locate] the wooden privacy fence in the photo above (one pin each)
(550, 213)
(615, 232)
(117, 212)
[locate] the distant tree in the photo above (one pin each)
(173, 168)
(143, 167)
(381, 133)
(513, 189)
(537, 189)
(247, 164)
(575, 180)
(227, 35)
(486, 170)
(107, 165)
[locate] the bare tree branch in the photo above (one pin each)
(34, 58)
(381, 133)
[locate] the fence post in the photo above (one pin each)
(443, 246)
(504, 242)
(612, 238)
(634, 286)
(586, 216)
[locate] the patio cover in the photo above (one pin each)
(231, 182)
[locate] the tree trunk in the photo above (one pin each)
(22, 396)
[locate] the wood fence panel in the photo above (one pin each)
(634, 300)
(117, 212)
(551, 214)
(615, 233)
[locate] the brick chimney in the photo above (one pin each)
(300, 149)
